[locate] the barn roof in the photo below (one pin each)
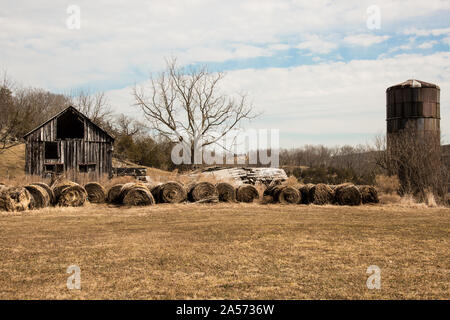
(69, 108)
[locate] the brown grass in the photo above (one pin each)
(230, 251)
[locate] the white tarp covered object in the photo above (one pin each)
(245, 174)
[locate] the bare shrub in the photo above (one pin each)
(291, 181)
(386, 184)
(389, 198)
(430, 200)
(416, 158)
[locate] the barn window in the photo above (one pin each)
(86, 167)
(70, 126)
(51, 150)
(58, 168)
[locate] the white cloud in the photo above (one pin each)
(426, 32)
(316, 44)
(404, 47)
(427, 44)
(446, 41)
(118, 41)
(334, 98)
(365, 40)
(279, 47)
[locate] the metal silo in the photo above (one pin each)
(415, 104)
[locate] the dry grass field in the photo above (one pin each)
(12, 162)
(238, 251)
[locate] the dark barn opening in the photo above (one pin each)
(54, 168)
(51, 150)
(69, 126)
(86, 168)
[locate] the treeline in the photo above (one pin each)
(24, 108)
(332, 165)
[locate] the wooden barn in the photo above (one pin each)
(68, 141)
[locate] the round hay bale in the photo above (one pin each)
(304, 191)
(202, 191)
(171, 192)
(288, 195)
(15, 199)
(347, 195)
(60, 186)
(124, 190)
(40, 197)
(227, 193)
(72, 196)
(155, 190)
(113, 195)
(96, 192)
(272, 191)
(247, 193)
(320, 194)
(368, 194)
(51, 195)
(138, 196)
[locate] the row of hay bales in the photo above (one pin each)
(39, 195)
(321, 194)
(71, 194)
(135, 194)
(68, 193)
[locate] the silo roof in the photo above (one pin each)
(414, 83)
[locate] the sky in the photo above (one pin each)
(315, 70)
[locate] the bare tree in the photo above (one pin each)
(94, 105)
(128, 126)
(37, 105)
(10, 117)
(186, 105)
(417, 160)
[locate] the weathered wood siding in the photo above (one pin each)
(94, 148)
